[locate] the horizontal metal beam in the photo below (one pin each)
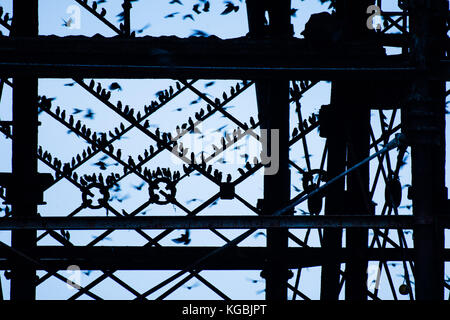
(58, 70)
(218, 222)
(172, 57)
(177, 258)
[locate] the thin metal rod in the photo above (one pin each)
(294, 202)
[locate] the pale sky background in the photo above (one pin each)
(63, 197)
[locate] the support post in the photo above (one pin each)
(273, 112)
(24, 150)
(336, 156)
(425, 130)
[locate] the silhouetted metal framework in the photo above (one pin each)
(282, 69)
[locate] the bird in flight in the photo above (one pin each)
(199, 33)
(230, 7)
(176, 1)
(171, 15)
(115, 86)
(143, 28)
(89, 114)
(67, 23)
(183, 239)
(188, 16)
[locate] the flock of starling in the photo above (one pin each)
(199, 8)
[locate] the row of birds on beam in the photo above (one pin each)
(303, 126)
(125, 110)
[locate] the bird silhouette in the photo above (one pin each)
(121, 16)
(89, 114)
(206, 6)
(176, 1)
(184, 238)
(139, 187)
(293, 12)
(258, 234)
(189, 287)
(143, 28)
(102, 165)
(199, 33)
(188, 16)
(171, 15)
(230, 7)
(66, 23)
(115, 86)
(195, 8)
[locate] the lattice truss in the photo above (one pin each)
(192, 147)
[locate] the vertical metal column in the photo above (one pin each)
(334, 195)
(273, 108)
(24, 150)
(356, 122)
(358, 141)
(425, 131)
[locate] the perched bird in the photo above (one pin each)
(183, 239)
(103, 12)
(230, 7)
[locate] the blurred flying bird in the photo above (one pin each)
(143, 28)
(188, 16)
(176, 1)
(196, 284)
(184, 238)
(199, 33)
(139, 187)
(67, 23)
(206, 7)
(89, 114)
(171, 15)
(195, 8)
(230, 7)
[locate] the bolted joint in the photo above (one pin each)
(327, 119)
(44, 181)
(420, 125)
(287, 275)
